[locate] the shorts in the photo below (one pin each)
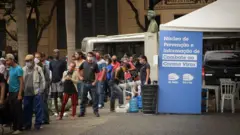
(57, 90)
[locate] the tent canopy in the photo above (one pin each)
(219, 16)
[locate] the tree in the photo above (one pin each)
(70, 18)
(41, 23)
(21, 30)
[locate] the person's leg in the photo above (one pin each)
(83, 99)
(65, 100)
(79, 84)
(100, 92)
(45, 108)
(74, 99)
(28, 111)
(113, 96)
(55, 97)
(95, 98)
(119, 94)
(19, 113)
(38, 104)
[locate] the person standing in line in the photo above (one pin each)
(116, 91)
(39, 60)
(70, 79)
(88, 74)
(34, 86)
(115, 63)
(57, 67)
(109, 71)
(15, 93)
(144, 71)
(79, 60)
(101, 79)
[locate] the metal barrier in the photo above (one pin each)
(129, 85)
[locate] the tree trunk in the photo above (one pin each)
(70, 18)
(21, 30)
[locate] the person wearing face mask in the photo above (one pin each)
(144, 71)
(39, 60)
(15, 82)
(115, 63)
(88, 74)
(70, 79)
(101, 84)
(57, 67)
(116, 91)
(34, 86)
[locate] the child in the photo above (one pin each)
(70, 80)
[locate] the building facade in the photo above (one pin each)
(95, 17)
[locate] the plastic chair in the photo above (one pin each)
(237, 90)
(228, 89)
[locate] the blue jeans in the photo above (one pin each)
(29, 103)
(101, 91)
(79, 87)
(88, 87)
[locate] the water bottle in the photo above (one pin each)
(133, 105)
(139, 100)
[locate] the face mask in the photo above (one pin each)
(114, 61)
(107, 63)
(36, 60)
(28, 64)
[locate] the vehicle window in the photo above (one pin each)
(226, 59)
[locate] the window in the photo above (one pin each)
(157, 18)
(2, 35)
(61, 26)
(178, 16)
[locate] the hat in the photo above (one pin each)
(29, 57)
(10, 56)
(56, 50)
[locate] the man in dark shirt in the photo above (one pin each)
(88, 74)
(57, 67)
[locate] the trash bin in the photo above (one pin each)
(149, 98)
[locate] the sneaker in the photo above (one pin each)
(45, 123)
(121, 106)
(81, 115)
(17, 132)
(112, 110)
(97, 114)
(100, 106)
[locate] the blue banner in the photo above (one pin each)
(180, 67)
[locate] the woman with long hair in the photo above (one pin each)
(144, 71)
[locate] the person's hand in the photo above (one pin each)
(68, 78)
(19, 97)
(81, 78)
(145, 83)
(94, 83)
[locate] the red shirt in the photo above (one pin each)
(115, 65)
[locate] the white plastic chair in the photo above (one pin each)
(228, 89)
(237, 90)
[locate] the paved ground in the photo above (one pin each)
(140, 124)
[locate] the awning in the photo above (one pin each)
(219, 16)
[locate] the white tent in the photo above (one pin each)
(219, 16)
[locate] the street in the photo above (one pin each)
(141, 124)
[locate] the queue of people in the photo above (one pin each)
(25, 90)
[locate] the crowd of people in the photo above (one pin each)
(93, 78)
